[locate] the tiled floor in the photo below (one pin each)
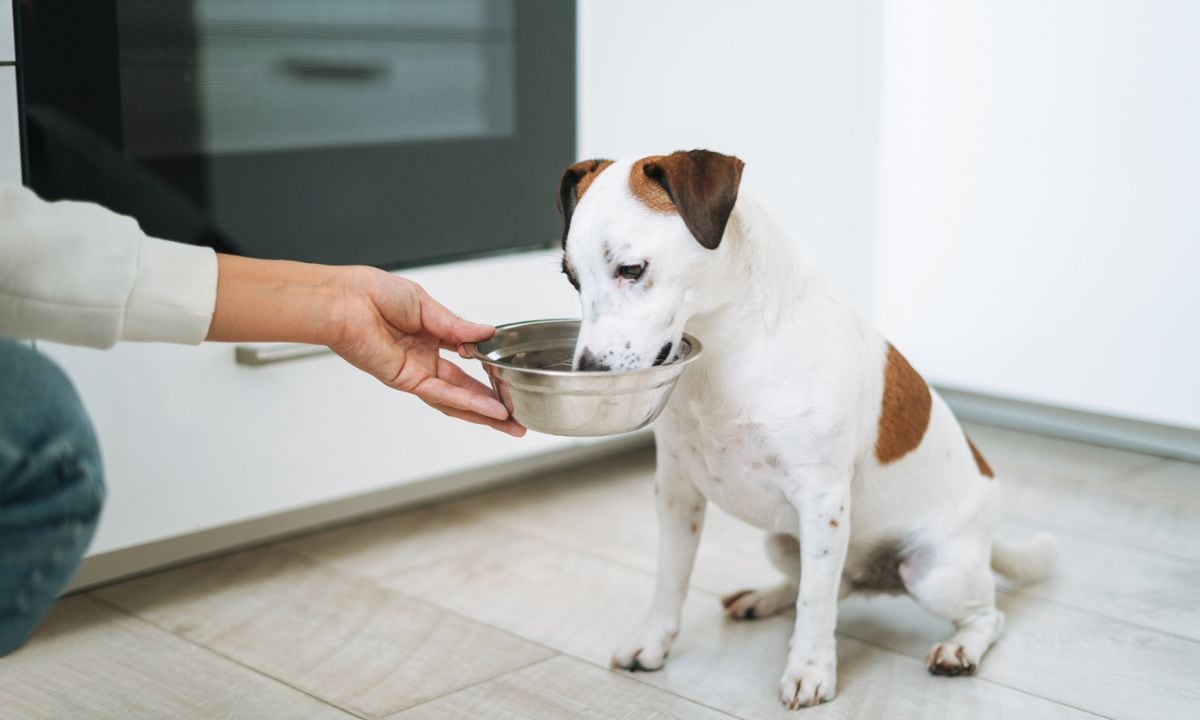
(507, 605)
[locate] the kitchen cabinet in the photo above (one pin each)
(10, 131)
(7, 46)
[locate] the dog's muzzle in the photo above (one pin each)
(589, 362)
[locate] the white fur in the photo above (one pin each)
(777, 425)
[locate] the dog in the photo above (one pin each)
(799, 418)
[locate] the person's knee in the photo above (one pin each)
(44, 430)
(51, 488)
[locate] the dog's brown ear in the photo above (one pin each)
(702, 185)
(575, 181)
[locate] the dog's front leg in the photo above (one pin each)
(822, 501)
(680, 518)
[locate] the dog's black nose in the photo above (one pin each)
(588, 361)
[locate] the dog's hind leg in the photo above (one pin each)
(784, 551)
(957, 585)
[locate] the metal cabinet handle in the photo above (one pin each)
(255, 355)
(324, 70)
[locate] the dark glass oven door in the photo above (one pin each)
(383, 132)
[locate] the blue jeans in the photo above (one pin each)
(51, 488)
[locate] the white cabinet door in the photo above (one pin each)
(7, 48)
(10, 134)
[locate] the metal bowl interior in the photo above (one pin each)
(529, 365)
(548, 347)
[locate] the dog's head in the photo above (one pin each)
(640, 238)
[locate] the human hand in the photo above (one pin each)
(391, 328)
(380, 323)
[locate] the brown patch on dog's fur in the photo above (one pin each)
(731, 598)
(576, 179)
(592, 170)
(647, 191)
(700, 185)
(906, 407)
(984, 468)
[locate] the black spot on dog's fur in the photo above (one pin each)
(879, 571)
(589, 362)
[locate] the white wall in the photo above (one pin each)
(1039, 177)
(790, 87)
(10, 148)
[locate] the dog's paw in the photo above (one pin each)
(644, 649)
(753, 604)
(950, 658)
(808, 683)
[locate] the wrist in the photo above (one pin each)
(281, 301)
(344, 293)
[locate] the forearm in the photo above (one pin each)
(278, 300)
(78, 273)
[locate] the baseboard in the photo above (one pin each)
(1147, 437)
(107, 567)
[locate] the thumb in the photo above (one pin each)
(449, 327)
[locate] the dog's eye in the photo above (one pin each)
(631, 272)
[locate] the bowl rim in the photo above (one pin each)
(472, 349)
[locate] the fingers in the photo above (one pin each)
(452, 373)
(509, 427)
(448, 327)
(437, 390)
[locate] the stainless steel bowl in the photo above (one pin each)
(529, 364)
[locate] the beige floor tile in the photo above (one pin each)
(1173, 481)
(1103, 666)
(385, 546)
(608, 510)
(582, 605)
(346, 640)
(91, 661)
(735, 667)
(1139, 500)
(570, 601)
(561, 688)
(1135, 519)
(1139, 587)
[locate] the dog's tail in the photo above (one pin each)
(1026, 560)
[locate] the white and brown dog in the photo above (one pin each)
(799, 419)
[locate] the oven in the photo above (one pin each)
(384, 132)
